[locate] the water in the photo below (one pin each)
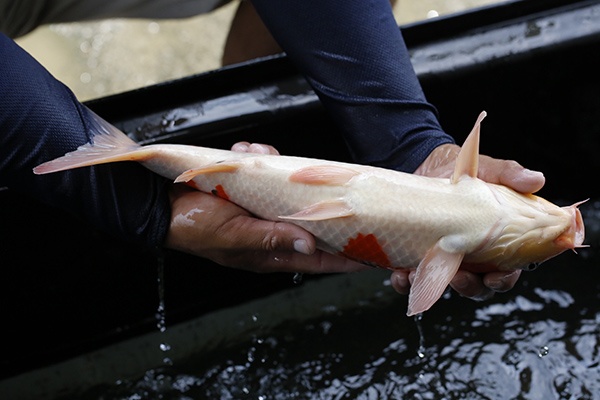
(161, 318)
(541, 340)
(540, 343)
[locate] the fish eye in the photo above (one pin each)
(532, 267)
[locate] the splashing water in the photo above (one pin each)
(541, 340)
(499, 351)
(161, 320)
(297, 279)
(421, 349)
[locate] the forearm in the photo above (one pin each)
(40, 119)
(353, 55)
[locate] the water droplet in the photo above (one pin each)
(165, 347)
(85, 77)
(421, 349)
(160, 316)
(298, 277)
(544, 350)
(326, 326)
(153, 27)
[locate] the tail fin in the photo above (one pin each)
(108, 145)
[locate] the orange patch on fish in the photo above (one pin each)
(366, 248)
(192, 184)
(220, 192)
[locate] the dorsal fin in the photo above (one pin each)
(467, 162)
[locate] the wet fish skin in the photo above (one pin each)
(377, 216)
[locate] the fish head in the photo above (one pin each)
(533, 230)
(546, 241)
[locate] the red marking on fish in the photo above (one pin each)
(192, 184)
(431, 224)
(366, 248)
(220, 192)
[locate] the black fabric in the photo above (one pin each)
(20, 17)
(353, 54)
(40, 119)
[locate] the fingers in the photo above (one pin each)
(441, 161)
(246, 147)
(210, 227)
(510, 173)
(250, 233)
(265, 246)
(482, 287)
(471, 285)
(400, 281)
(284, 261)
(501, 281)
(468, 284)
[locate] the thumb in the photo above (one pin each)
(510, 173)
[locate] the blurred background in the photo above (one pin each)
(96, 59)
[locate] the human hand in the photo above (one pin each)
(210, 227)
(440, 163)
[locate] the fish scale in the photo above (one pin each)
(376, 216)
(263, 189)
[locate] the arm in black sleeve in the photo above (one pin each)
(353, 55)
(40, 119)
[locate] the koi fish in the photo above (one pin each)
(376, 216)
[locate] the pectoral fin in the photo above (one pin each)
(433, 275)
(209, 169)
(321, 211)
(467, 162)
(334, 175)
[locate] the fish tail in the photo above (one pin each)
(108, 144)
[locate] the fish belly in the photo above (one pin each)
(393, 223)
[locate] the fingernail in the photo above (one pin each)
(496, 284)
(500, 283)
(402, 282)
(301, 246)
(258, 148)
(460, 282)
(533, 173)
(240, 148)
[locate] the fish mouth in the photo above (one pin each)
(572, 238)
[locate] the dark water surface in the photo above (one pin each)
(541, 340)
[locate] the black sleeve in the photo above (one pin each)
(353, 55)
(40, 119)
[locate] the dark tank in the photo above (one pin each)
(83, 312)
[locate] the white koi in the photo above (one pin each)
(376, 216)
